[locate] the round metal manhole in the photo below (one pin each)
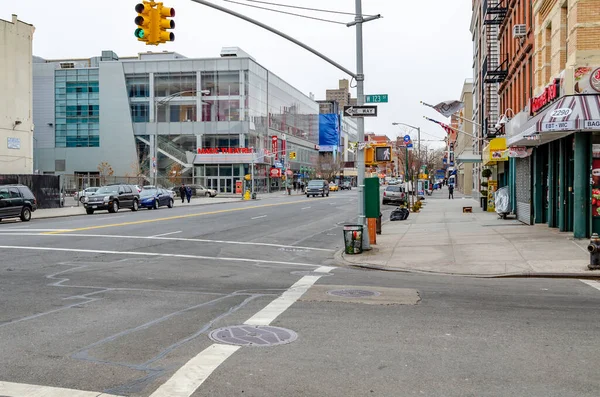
(352, 293)
(253, 335)
(309, 273)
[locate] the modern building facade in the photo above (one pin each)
(555, 137)
(16, 119)
(210, 121)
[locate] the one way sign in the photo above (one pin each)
(360, 111)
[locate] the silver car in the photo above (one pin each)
(88, 191)
(394, 194)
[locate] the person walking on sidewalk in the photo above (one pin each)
(182, 193)
(450, 192)
(188, 193)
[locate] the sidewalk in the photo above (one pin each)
(443, 240)
(73, 210)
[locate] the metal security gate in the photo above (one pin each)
(523, 190)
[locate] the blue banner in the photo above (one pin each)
(329, 132)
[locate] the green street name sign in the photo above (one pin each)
(380, 98)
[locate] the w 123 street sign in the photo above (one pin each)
(379, 98)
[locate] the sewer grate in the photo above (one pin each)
(253, 335)
(309, 273)
(352, 293)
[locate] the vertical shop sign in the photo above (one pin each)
(595, 180)
(274, 147)
(492, 187)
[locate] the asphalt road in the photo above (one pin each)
(123, 304)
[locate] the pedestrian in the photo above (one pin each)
(295, 186)
(450, 192)
(182, 193)
(188, 193)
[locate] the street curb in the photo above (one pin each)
(339, 257)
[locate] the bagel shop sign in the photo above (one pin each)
(225, 150)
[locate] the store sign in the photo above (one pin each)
(559, 126)
(550, 94)
(518, 152)
(13, 143)
(224, 150)
(591, 124)
(275, 173)
(274, 147)
(587, 80)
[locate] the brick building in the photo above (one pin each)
(554, 137)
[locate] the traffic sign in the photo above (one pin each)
(406, 138)
(379, 98)
(360, 111)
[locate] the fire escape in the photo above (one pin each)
(495, 67)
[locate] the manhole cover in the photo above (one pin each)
(253, 335)
(352, 293)
(309, 273)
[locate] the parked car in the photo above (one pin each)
(112, 198)
(333, 187)
(317, 187)
(16, 201)
(394, 194)
(155, 198)
(197, 190)
(346, 186)
(80, 195)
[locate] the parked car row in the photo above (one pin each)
(117, 196)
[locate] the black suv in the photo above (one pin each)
(16, 201)
(113, 197)
(317, 187)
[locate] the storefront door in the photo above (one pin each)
(212, 183)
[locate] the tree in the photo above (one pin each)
(105, 170)
(329, 167)
(174, 173)
(136, 173)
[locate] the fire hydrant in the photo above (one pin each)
(594, 250)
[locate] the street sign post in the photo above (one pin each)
(378, 98)
(360, 111)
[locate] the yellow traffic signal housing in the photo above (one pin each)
(143, 21)
(369, 155)
(164, 23)
(292, 155)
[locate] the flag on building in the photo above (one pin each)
(449, 130)
(447, 108)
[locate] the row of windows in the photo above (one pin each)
(221, 110)
(76, 141)
(166, 84)
(77, 109)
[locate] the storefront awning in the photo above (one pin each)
(568, 114)
(495, 151)
(468, 157)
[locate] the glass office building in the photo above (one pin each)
(162, 115)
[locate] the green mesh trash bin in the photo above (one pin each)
(353, 239)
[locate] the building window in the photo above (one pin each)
(220, 141)
(221, 83)
(138, 86)
(140, 112)
(181, 84)
(176, 112)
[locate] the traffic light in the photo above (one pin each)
(153, 21)
(143, 21)
(369, 155)
(292, 155)
(165, 23)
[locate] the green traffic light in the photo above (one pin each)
(139, 33)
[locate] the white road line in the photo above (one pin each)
(189, 377)
(166, 234)
(258, 217)
(136, 253)
(592, 283)
(196, 240)
(305, 208)
(10, 389)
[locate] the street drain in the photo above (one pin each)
(309, 273)
(352, 293)
(253, 335)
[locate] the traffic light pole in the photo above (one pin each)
(360, 79)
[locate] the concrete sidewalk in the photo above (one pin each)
(442, 239)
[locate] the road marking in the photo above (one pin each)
(36, 230)
(258, 217)
(105, 218)
(165, 234)
(305, 208)
(592, 283)
(188, 378)
(196, 240)
(17, 247)
(170, 218)
(10, 389)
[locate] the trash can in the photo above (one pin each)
(379, 223)
(353, 239)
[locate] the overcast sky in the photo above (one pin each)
(420, 50)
